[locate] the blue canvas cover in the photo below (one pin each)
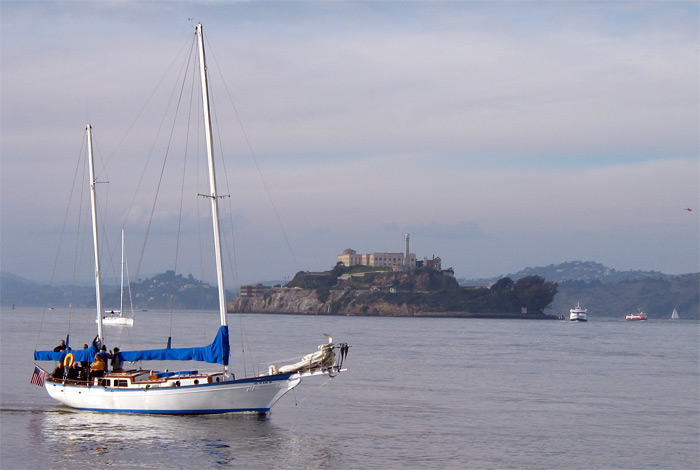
(216, 353)
(81, 355)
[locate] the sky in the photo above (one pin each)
(500, 135)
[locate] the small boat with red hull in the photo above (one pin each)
(639, 316)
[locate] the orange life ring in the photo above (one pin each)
(68, 357)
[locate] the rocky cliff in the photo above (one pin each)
(418, 292)
(306, 301)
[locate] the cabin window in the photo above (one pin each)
(120, 383)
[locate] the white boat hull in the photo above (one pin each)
(246, 395)
(578, 313)
(117, 321)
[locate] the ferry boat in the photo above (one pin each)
(639, 316)
(578, 313)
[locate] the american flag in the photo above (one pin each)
(38, 377)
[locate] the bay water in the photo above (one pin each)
(418, 393)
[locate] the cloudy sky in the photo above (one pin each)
(499, 135)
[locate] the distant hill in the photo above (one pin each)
(169, 290)
(656, 297)
(15, 290)
(607, 292)
(157, 292)
(587, 271)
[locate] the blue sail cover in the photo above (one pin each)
(81, 355)
(216, 353)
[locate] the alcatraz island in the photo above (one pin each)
(397, 285)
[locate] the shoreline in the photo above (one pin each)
(491, 316)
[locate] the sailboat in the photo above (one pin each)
(179, 392)
(674, 315)
(116, 317)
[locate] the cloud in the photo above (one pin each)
(498, 134)
(460, 230)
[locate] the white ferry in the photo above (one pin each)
(578, 313)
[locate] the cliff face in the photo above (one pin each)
(305, 301)
(418, 292)
(278, 301)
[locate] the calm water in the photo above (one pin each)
(435, 393)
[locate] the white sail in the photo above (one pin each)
(116, 317)
(674, 315)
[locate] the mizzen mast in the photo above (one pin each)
(93, 203)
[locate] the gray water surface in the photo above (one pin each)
(418, 393)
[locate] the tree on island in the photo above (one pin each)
(534, 293)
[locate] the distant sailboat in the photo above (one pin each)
(674, 315)
(116, 317)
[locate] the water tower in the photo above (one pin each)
(406, 257)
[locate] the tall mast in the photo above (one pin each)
(121, 290)
(212, 176)
(93, 202)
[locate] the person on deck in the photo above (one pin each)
(60, 347)
(59, 371)
(116, 360)
(105, 357)
(74, 373)
(97, 369)
(86, 363)
(85, 366)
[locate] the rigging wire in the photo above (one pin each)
(231, 251)
(78, 254)
(182, 185)
(146, 102)
(268, 193)
(257, 166)
(160, 178)
(199, 162)
(60, 240)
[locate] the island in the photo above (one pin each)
(383, 291)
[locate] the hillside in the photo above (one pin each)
(15, 290)
(657, 297)
(587, 271)
(607, 292)
(161, 291)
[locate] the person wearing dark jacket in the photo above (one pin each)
(74, 373)
(116, 360)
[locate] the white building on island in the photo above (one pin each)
(396, 261)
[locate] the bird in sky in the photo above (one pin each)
(688, 209)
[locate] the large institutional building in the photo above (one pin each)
(350, 257)
(396, 261)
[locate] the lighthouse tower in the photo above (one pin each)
(406, 257)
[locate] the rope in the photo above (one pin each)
(257, 166)
(315, 392)
(160, 179)
(60, 242)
